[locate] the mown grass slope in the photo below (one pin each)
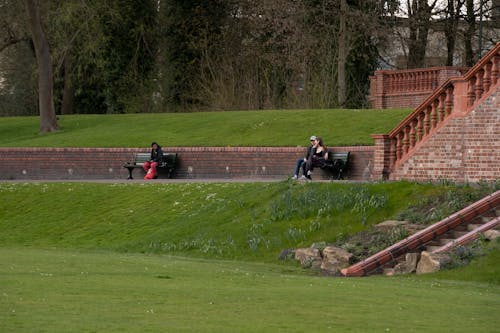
(217, 220)
(242, 128)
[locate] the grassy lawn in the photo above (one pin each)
(72, 291)
(202, 257)
(247, 128)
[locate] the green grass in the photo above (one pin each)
(84, 257)
(248, 128)
(217, 220)
(69, 291)
(244, 221)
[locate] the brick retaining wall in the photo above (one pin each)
(465, 149)
(194, 162)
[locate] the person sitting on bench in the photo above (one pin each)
(318, 157)
(301, 163)
(151, 165)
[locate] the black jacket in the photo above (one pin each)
(309, 151)
(157, 155)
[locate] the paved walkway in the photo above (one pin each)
(170, 181)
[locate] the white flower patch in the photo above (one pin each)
(210, 196)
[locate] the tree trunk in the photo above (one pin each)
(469, 33)
(48, 120)
(342, 55)
(449, 31)
(419, 19)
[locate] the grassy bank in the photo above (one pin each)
(249, 128)
(250, 221)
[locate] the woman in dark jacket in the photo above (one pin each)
(151, 165)
(318, 157)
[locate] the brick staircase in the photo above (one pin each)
(457, 229)
(453, 134)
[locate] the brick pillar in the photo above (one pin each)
(377, 91)
(381, 157)
(460, 90)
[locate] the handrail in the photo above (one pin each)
(420, 238)
(470, 236)
(417, 126)
(417, 79)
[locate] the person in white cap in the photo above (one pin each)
(301, 163)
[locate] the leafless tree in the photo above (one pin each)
(48, 119)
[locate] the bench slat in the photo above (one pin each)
(337, 163)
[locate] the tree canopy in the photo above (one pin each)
(120, 56)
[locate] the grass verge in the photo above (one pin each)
(248, 128)
(249, 221)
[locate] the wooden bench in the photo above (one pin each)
(337, 163)
(167, 163)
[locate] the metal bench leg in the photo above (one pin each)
(130, 173)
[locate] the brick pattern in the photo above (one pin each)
(464, 149)
(381, 154)
(407, 88)
(193, 162)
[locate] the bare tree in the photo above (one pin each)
(452, 18)
(342, 55)
(419, 16)
(48, 120)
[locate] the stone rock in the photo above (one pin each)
(491, 234)
(432, 262)
(389, 224)
(334, 259)
(409, 265)
(287, 254)
(309, 257)
(320, 245)
(411, 228)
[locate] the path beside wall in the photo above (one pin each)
(193, 162)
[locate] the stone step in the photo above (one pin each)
(434, 242)
(471, 226)
(486, 219)
(455, 233)
(461, 227)
(458, 233)
(444, 241)
(430, 248)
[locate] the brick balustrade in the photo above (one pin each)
(407, 88)
(467, 149)
(193, 162)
